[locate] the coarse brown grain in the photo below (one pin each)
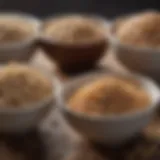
(12, 31)
(109, 96)
(71, 29)
(140, 30)
(21, 85)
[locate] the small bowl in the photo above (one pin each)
(110, 130)
(26, 118)
(20, 50)
(75, 57)
(144, 60)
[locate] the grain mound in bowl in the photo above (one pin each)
(110, 96)
(14, 31)
(140, 30)
(21, 85)
(74, 29)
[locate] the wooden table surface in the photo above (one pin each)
(55, 140)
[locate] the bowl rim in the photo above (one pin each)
(153, 90)
(114, 41)
(22, 16)
(51, 40)
(36, 105)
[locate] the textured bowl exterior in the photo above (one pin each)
(142, 61)
(21, 53)
(24, 120)
(75, 57)
(110, 130)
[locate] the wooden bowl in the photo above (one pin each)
(74, 57)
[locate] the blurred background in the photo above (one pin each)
(107, 8)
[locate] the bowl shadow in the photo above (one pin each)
(30, 144)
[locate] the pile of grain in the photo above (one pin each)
(141, 30)
(21, 85)
(73, 29)
(110, 95)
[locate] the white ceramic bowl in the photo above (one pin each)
(25, 118)
(108, 129)
(144, 60)
(20, 50)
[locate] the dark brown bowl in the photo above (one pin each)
(74, 57)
